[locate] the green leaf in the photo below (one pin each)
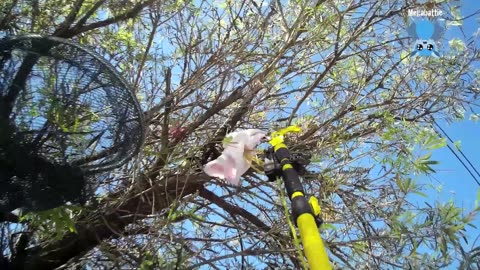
(423, 163)
(454, 23)
(146, 265)
(474, 117)
(223, 5)
(477, 200)
(433, 162)
(426, 157)
(437, 143)
(227, 140)
(472, 225)
(458, 144)
(404, 56)
(457, 44)
(360, 246)
(457, 17)
(421, 194)
(443, 245)
(326, 226)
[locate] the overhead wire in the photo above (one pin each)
(437, 127)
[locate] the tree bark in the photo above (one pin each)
(109, 223)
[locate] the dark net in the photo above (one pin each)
(65, 114)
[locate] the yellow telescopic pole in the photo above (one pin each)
(312, 243)
(303, 213)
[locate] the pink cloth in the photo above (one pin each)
(236, 157)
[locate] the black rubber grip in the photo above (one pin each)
(292, 182)
(300, 206)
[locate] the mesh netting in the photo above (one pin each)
(64, 113)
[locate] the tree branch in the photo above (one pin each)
(130, 14)
(109, 222)
(232, 209)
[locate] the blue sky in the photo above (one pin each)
(455, 181)
(451, 176)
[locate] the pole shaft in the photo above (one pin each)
(313, 246)
(312, 243)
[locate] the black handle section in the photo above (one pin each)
(300, 206)
(290, 176)
(292, 182)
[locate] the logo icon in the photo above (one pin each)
(425, 33)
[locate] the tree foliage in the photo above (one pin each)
(337, 69)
